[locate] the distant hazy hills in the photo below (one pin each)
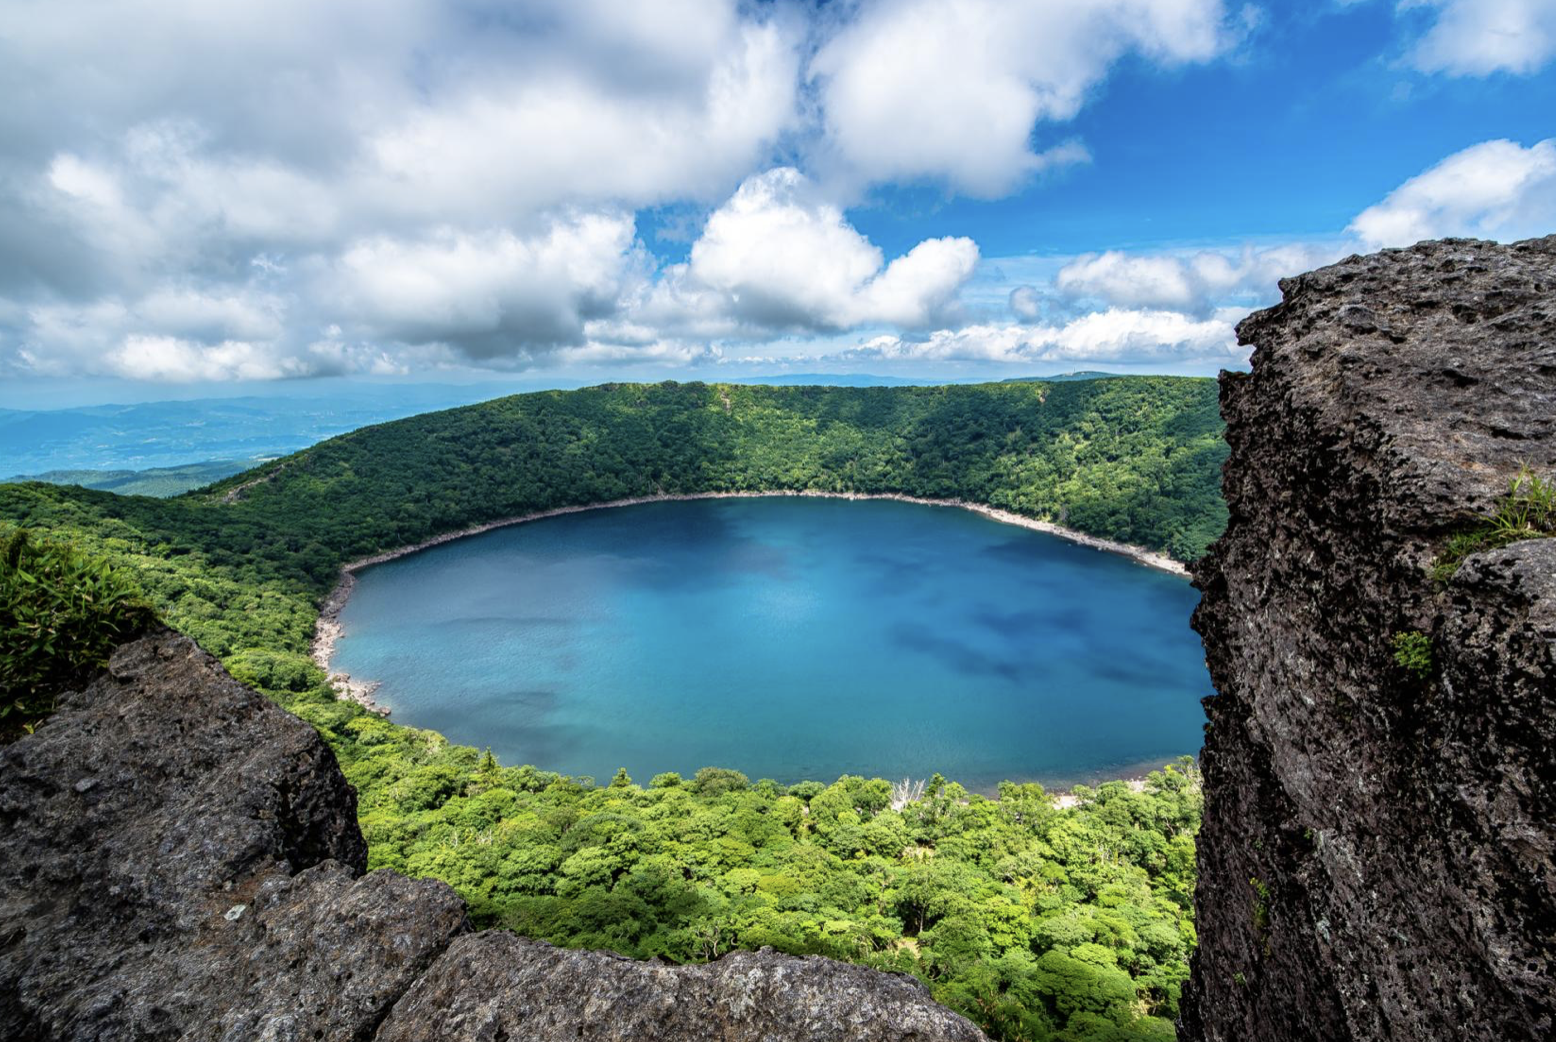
(154, 481)
(1084, 374)
(160, 435)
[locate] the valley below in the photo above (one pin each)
(1055, 662)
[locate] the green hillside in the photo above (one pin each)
(1039, 923)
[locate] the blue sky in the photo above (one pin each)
(254, 196)
(1310, 120)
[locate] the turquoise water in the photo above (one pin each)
(787, 638)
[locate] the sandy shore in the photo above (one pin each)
(1067, 799)
(327, 631)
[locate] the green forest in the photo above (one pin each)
(1038, 922)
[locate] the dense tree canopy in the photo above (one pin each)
(1037, 921)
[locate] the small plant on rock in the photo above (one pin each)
(1528, 511)
(1261, 905)
(1413, 653)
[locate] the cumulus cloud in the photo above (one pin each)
(951, 89)
(187, 312)
(176, 332)
(175, 137)
(1495, 190)
(1480, 37)
(777, 256)
(492, 294)
(578, 288)
(575, 104)
(1197, 283)
(1182, 305)
(384, 91)
(170, 358)
(655, 352)
(277, 188)
(1026, 302)
(522, 143)
(1115, 335)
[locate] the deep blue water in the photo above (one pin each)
(787, 638)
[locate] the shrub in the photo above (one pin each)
(715, 781)
(61, 613)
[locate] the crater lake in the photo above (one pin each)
(789, 638)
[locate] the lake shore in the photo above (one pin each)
(328, 630)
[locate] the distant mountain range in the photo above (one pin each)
(155, 481)
(1084, 374)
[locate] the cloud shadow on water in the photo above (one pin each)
(689, 545)
(887, 575)
(959, 656)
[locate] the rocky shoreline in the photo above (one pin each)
(328, 631)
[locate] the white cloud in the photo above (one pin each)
(524, 143)
(180, 333)
(181, 310)
(185, 311)
(656, 352)
(332, 356)
(577, 290)
(778, 256)
(1495, 190)
(1115, 335)
(206, 190)
(159, 204)
(1196, 282)
(171, 359)
(1480, 37)
(781, 256)
(174, 136)
(1026, 303)
(951, 89)
(919, 287)
(492, 294)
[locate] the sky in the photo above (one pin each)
(260, 194)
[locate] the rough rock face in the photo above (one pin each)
(179, 859)
(1377, 855)
(498, 985)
